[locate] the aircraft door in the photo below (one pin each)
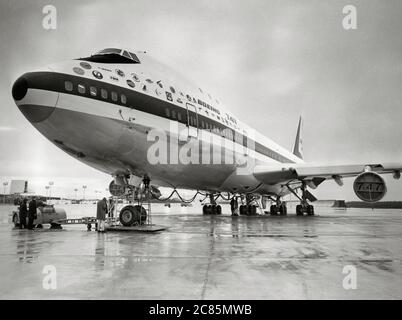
(192, 120)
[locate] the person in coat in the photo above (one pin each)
(234, 206)
(31, 213)
(101, 211)
(23, 213)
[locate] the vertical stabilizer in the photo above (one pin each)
(298, 146)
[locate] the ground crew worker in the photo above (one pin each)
(101, 210)
(234, 205)
(23, 213)
(31, 213)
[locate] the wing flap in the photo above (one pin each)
(273, 175)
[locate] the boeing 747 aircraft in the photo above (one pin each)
(134, 118)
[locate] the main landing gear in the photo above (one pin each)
(211, 208)
(248, 209)
(304, 206)
(278, 208)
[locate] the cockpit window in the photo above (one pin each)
(126, 54)
(109, 51)
(112, 55)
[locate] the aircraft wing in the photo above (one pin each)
(319, 173)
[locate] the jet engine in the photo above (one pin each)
(369, 187)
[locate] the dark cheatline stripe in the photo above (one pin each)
(55, 82)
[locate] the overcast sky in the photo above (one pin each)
(268, 61)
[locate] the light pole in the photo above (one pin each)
(51, 183)
(5, 184)
(47, 192)
(83, 191)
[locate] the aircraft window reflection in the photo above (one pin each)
(173, 114)
(110, 51)
(123, 99)
(179, 116)
(125, 54)
(81, 88)
(167, 111)
(112, 55)
(104, 93)
(114, 96)
(68, 86)
(93, 91)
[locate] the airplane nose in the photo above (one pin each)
(20, 88)
(33, 95)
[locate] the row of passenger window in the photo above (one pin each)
(206, 125)
(93, 91)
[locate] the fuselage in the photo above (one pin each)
(107, 112)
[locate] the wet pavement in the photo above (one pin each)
(209, 257)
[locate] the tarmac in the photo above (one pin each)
(337, 254)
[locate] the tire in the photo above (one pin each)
(207, 209)
(243, 210)
(283, 211)
(252, 210)
(218, 209)
(299, 210)
(273, 210)
(131, 215)
(310, 210)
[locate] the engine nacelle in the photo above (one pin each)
(369, 187)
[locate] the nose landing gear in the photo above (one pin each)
(134, 215)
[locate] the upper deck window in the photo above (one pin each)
(112, 55)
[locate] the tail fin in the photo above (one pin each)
(298, 146)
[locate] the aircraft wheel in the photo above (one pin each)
(130, 215)
(218, 209)
(273, 210)
(208, 209)
(299, 210)
(310, 210)
(252, 210)
(283, 211)
(243, 210)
